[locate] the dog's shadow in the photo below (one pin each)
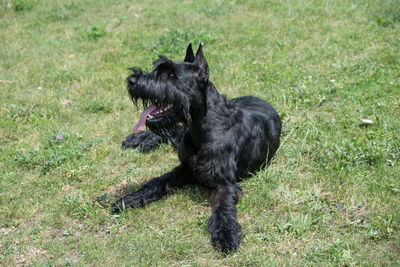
(199, 195)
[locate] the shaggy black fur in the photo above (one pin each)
(219, 141)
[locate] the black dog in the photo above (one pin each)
(219, 141)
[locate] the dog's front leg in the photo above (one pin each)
(143, 141)
(153, 190)
(224, 229)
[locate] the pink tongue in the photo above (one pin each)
(143, 118)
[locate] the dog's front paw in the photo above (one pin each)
(227, 240)
(225, 233)
(133, 140)
(143, 141)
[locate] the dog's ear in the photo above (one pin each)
(202, 63)
(189, 54)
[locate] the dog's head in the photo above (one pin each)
(171, 93)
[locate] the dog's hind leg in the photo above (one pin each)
(224, 229)
(153, 190)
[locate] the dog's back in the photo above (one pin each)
(263, 142)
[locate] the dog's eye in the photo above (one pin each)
(171, 74)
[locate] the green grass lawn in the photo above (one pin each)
(330, 197)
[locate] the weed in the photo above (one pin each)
(95, 106)
(21, 5)
(96, 32)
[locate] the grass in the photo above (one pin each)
(330, 197)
